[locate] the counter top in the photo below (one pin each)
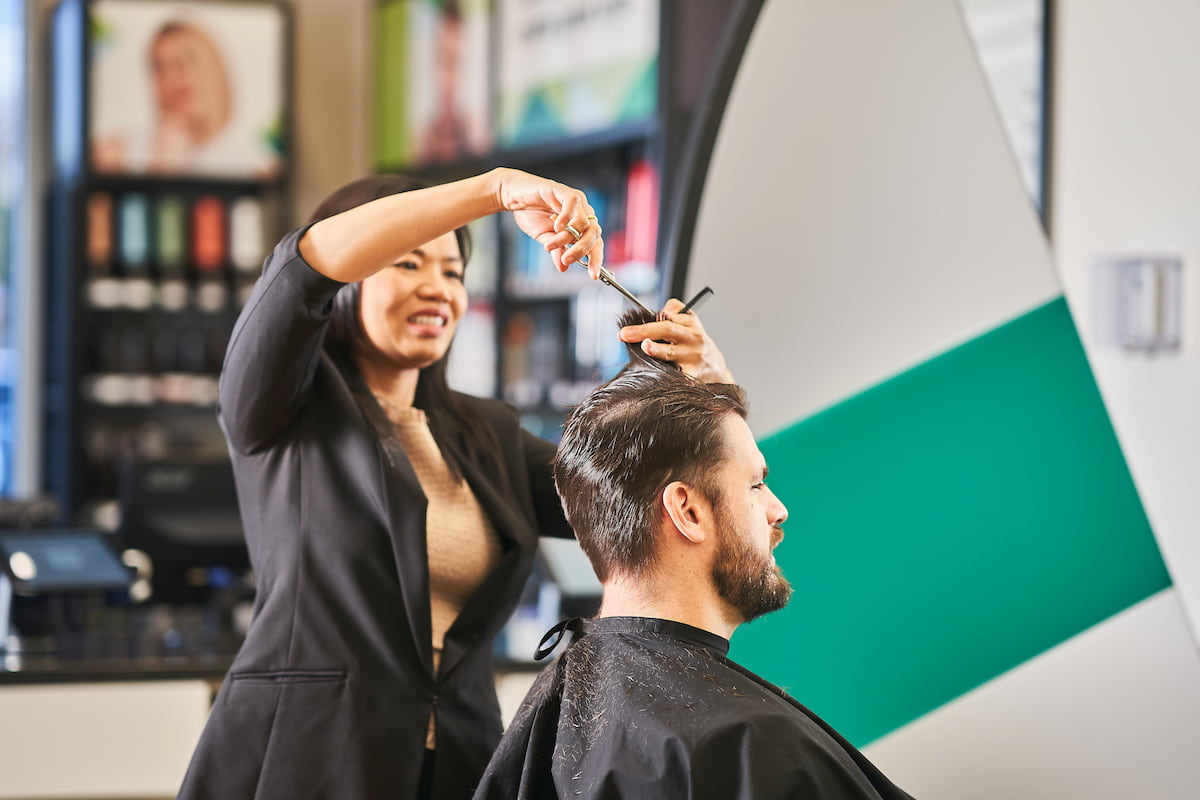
(123, 644)
(19, 668)
(142, 643)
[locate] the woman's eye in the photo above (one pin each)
(453, 275)
(406, 265)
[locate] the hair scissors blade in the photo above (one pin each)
(607, 277)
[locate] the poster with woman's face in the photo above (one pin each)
(432, 88)
(182, 88)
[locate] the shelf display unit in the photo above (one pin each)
(168, 185)
(597, 95)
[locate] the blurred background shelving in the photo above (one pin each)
(598, 96)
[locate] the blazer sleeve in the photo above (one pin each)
(539, 455)
(274, 348)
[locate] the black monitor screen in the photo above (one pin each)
(57, 560)
(184, 516)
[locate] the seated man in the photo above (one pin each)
(665, 487)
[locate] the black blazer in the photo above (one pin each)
(330, 695)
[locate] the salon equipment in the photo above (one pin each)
(700, 299)
(607, 277)
(41, 562)
(183, 514)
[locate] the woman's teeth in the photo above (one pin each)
(421, 319)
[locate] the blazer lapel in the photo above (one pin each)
(506, 580)
(405, 508)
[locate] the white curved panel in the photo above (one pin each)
(863, 210)
(1111, 713)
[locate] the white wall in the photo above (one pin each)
(1110, 713)
(863, 213)
(863, 210)
(130, 739)
(1126, 177)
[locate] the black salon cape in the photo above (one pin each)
(647, 708)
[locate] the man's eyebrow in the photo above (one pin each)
(764, 472)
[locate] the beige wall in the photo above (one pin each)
(331, 91)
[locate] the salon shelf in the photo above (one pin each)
(195, 183)
(532, 156)
(145, 278)
(155, 409)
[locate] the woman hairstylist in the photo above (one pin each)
(391, 522)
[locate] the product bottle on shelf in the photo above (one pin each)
(209, 253)
(101, 288)
(171, 251)
(133, 246)
(246, 245)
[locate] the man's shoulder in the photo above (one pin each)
(624, 714)
(686, 687)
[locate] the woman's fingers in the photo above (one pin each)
(670, 326)
(558, 216)
(575, 239)
(671, 341)
(596, 257)
(672, 306)
(680, 339)
(664, 350)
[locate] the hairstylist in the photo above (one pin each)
(391, 522)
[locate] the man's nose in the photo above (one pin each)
(776, 510)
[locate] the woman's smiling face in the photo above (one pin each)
(411, 309)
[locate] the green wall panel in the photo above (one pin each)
(391, 135)
(947, 525)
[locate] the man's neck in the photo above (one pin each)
(645, 597)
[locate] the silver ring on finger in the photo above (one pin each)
(571, 230)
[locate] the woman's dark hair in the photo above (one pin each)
(624, 443)
(442, 407)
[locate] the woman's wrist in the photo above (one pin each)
(494, 182)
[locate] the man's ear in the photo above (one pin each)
(688, 509)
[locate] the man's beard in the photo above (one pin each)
(745, 578)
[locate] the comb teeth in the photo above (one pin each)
(700, 299)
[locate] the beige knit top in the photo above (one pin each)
(462, 546)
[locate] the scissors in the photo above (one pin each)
(607, 277)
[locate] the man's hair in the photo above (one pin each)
(624, 443)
